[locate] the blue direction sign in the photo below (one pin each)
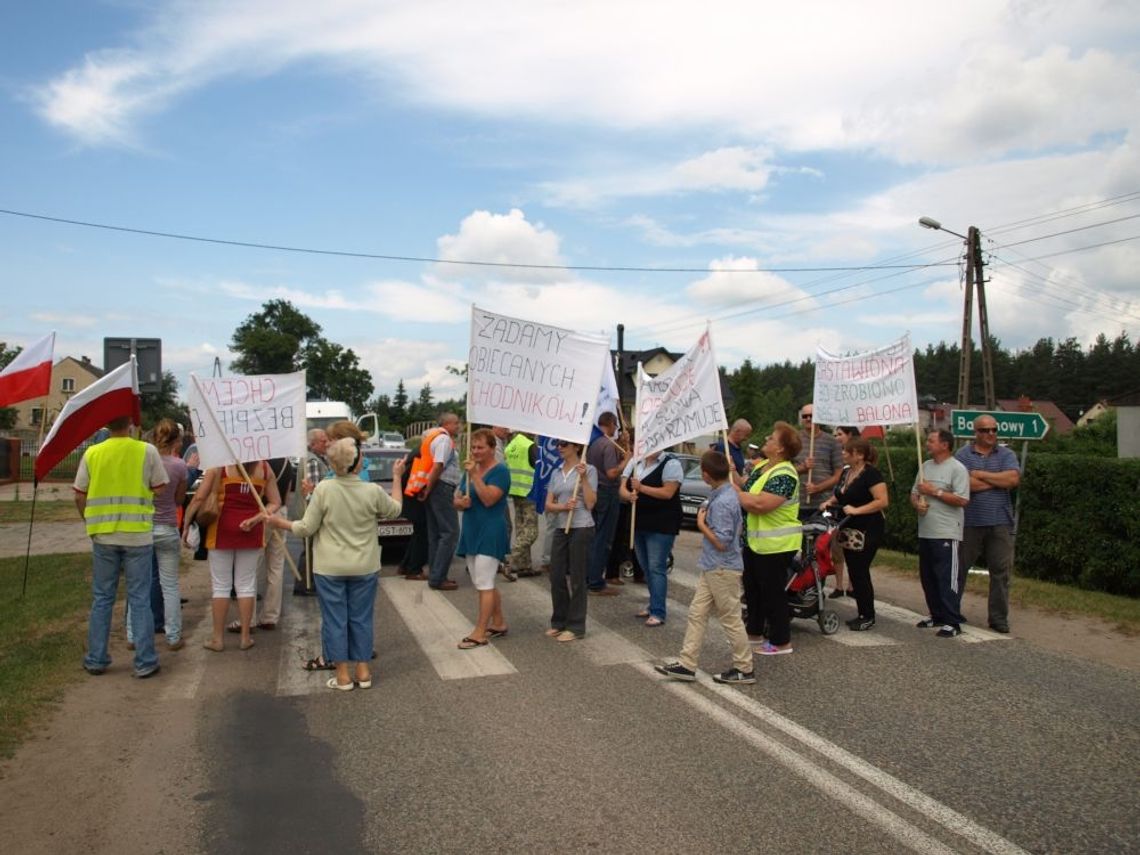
(1025, 426)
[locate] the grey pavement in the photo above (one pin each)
(908, 743)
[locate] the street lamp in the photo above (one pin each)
(973, 239)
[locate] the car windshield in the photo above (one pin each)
(379, 466)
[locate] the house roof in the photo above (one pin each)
(1128, 399)
(86, 364)
(1058, 421)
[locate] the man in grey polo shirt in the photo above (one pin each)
(939, 498)
(989, 518)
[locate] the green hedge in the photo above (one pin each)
(1080, 519)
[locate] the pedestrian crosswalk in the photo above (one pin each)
(437, 620)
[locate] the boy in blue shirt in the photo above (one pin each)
(721, 565)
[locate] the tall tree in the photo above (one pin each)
(280, 339)
(271, 341)
(400, 405)
(334, 373)
(163, 404)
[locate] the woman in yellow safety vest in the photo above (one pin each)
(770, 498)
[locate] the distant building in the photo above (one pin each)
(1093, 413)
(1059, 423)
(68, 376)
(1127, 423)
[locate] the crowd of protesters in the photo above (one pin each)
(751, 527)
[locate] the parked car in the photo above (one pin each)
(392, 439)
(392, 534)
(694, 493)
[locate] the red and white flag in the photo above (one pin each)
(112, 396)
(29, 374)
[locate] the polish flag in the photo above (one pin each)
(29, 374)
(114, 395)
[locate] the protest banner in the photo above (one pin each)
(240, 419)
(533, 377)
(681, 403)
(872, 388)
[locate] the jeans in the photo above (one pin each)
(168, 553)
(606, 511)
(135, 563)
(346, 616)
(653, 550)
(443, 532)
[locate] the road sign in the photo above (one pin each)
(1024, 426)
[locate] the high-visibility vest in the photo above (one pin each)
(778, 530)
(518, 461)
(118, 499)
(422, 465)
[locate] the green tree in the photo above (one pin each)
(400, 405)
(381, 405)
(334, 374)
(7, 414)
(280, 339)
(272, 340)
(163, 404)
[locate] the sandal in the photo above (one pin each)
(644, 613)
(318, 663)
(552, 632)
(654, 621)
(469, 643)
(341, 687)
(363, 684)
(235, 626)
(497, 633)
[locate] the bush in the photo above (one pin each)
(1079, 522)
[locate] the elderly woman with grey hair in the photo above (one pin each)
(341, 517)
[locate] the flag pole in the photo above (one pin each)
(637, 413)
(918, 448)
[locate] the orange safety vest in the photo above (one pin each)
(422, 465)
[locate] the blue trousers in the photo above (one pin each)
(346, 616)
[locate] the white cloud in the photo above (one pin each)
(501, 239)
(725, 169)
(722, 287)
(952, 83)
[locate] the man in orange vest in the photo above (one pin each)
(435, 475)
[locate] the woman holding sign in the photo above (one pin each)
(235, 540)
(770, 498)
(484, 540)
(570, 495)
(653, 484)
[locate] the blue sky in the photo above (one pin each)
(732, 140)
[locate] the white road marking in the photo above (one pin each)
(438, 626)
(864, 806)
(300, 641)
(192, 657)
(970, 634)
(601, 645)
(980, 836)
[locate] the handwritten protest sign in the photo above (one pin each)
(248, 418)
(872, 388)
(681, 403)
(533, 377)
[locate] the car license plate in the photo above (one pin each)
(394, 530)
(691, 509)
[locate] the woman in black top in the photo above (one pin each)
(861, 496)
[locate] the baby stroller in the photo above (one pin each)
(810, 570)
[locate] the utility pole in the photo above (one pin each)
(975, 278)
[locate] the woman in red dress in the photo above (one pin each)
(235, 541)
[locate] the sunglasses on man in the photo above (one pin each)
(985, 430)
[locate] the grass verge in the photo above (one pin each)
(41, 637)
(21, 512)
(1123, 613)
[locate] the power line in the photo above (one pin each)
(458, 262)
(1072, 231)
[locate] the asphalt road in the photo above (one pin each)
(887, 741)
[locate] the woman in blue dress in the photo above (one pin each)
(484, 540)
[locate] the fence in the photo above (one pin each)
(64, 471)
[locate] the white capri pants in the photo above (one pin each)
(482, 569)
(236, 568)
